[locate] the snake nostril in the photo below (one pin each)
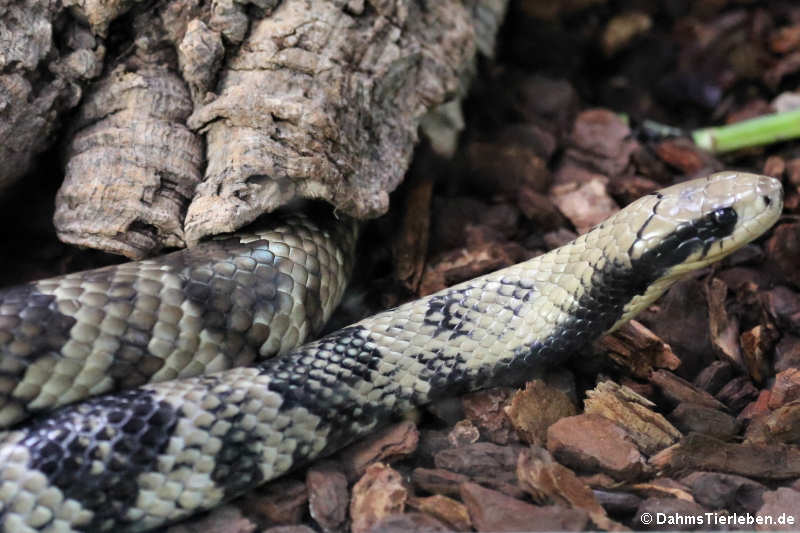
(767, 200)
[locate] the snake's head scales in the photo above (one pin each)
(692, 224)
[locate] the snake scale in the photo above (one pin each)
(147, 456)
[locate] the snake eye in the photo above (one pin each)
(725, 216)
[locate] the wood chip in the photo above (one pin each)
(713, 377)
(780, 425)
(447, 510)
(757, 344)
(405, 522)
(783, 251)
(535, 408)
(225, 519)
(486, 409)
(724, 327)
(596, 444)
(650, 431)
(549, 482)
(585, 205)
(601, 141)
(463, 433)
(280, 502)
(639, 350)
(783, 502)
(787, 353)
(328, 497)
(388, 444)
(737, 393)
(479, 459)
(725, 491)
(785, 389)
(678, 390)
(691, 417)
(701, 452)
(492, 511)
(379, 493)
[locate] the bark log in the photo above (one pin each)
(294, 99)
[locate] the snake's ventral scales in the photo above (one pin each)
(139, 458)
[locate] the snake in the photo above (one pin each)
(139, 458)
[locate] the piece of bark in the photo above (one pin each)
(479, 459)
(755, 408)
(785, 388)
(757, 343)
(45, 64)
(463, 433)
(787, 353)
(584, 205)
(713, 377)
(281, 502)
(601, 141)
(492, 511)
(133, 165)
(783, 251)
(783, 305)
(737, 393)
(410, 245)
(684, 155)
(486, 409)
(593, 443)
(438, 480)
(328, 497)
(387, 445)
(725, 491)
(779, 511)
(629, 187)
(538, 208)
(701, 452)
(780, 425)
(503, 168)
(405, 522)
(662, 487)
(639, 350)
(650, 431)
(379, 493)
(225, 519)
(677, 390)
(617, 502)
(536, 408)
(327, 141)
(724, 327)
(695, 418)
(447, 510)
(549, 482)
(668, 514)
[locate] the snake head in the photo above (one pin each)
(695, 223)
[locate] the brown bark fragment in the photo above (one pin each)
(328, 497)
(783, 305)
(549, 482)
(737, 393)
(684, 155)
(670, 508)
(225, 519)
(783, 250)
(584, 205)
(774, 166)
(493, 511)
(636, 348)
(649, 430)
(281, 502)
(387, 445)
(694, 418)
(538, 208)
(701, 452)
(785, 389)
(405, 522)
(628, 188)
(536, 408)
(501, 167)
(678, 390)
(781, 502)
(486, 409)
(755, 408)
(757, 343)
(601, 141)
(410, 246)
(379, 493)
(438, 480)
(780, 425)
(463, 433)
(787, 353)
(713, 377)
(593, 443)
(663, 487)
(447, 510)
(479, 459)
(724, 327)
(725, 491)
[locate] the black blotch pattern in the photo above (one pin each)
(125, 433)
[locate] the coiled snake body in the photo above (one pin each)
(140, 458)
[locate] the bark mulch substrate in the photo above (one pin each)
(694, 410)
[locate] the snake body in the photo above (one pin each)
(152, 455)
